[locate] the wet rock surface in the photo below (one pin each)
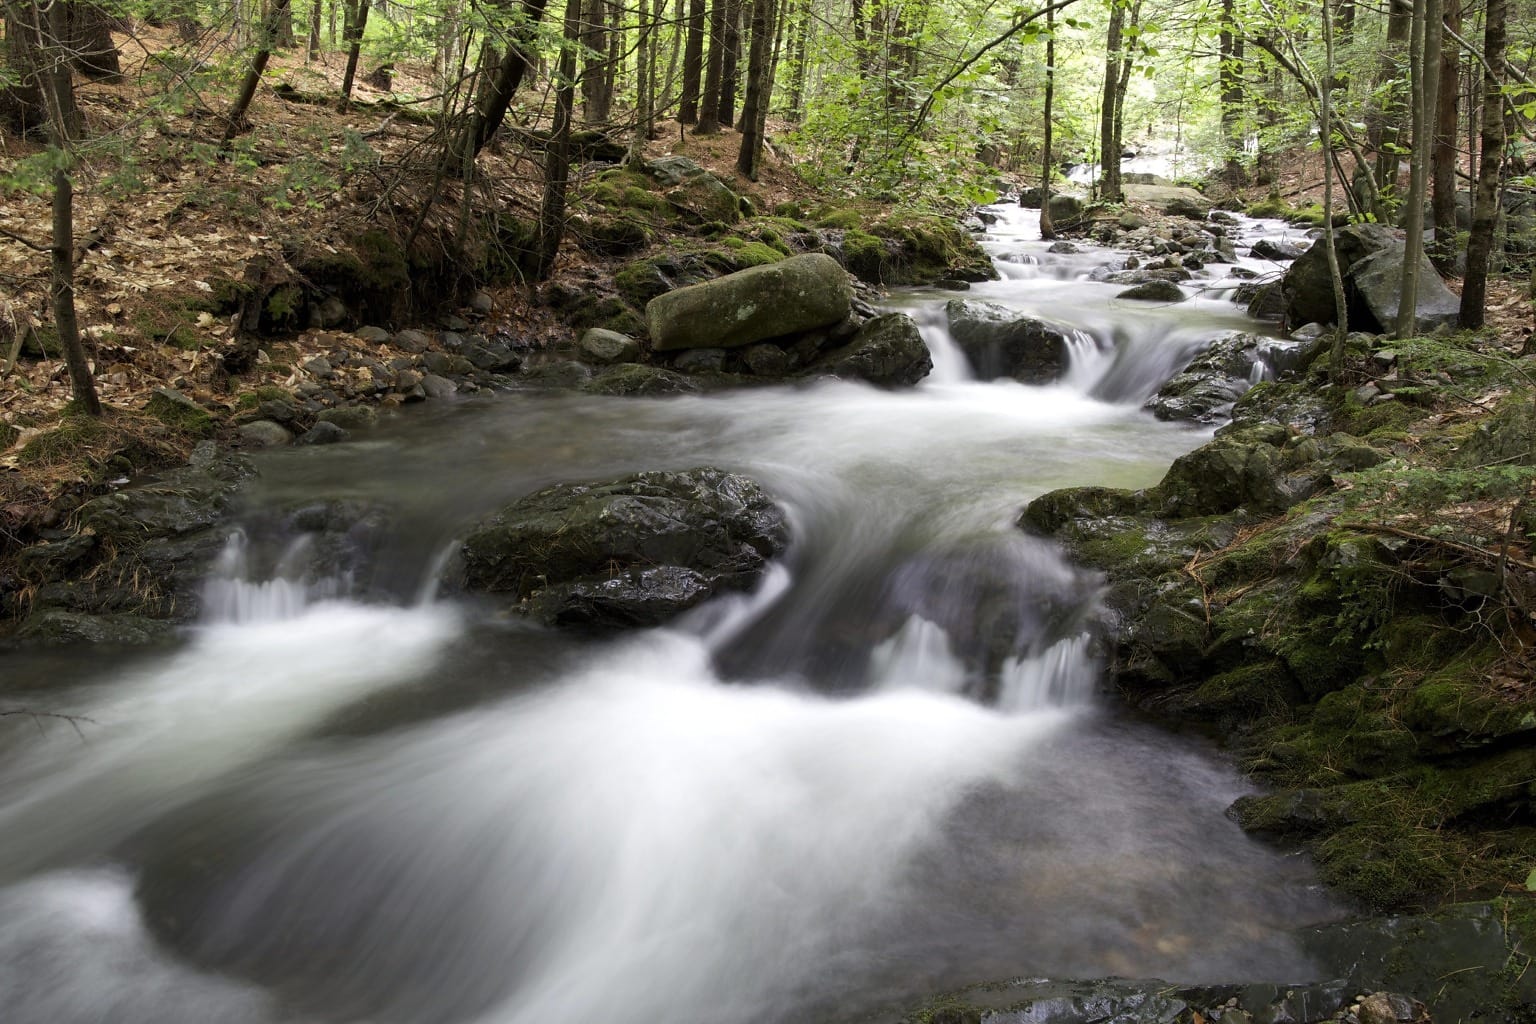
(1002, 342)
(630, 552)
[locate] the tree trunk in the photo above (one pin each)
(1325, 128)
(1445, 157)
(726, 114)
(1424, 62)
(594, 38)
(1047, 229)
(1109, 146)
(1230, 79)
(709, 113)
(354, 50)
(645, 83)
(51, 69)
(88, 44)
(754, 109)
(693, 64)
(1485, 208)
(496, 99)
(235, 120)
(1387, 121)
(798, 49)
(557, 159)
(314, 30)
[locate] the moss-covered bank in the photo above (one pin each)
(1341, 585)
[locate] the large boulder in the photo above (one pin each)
(796, 295)
(1377, 280)
(630, 552)
(1066, 212)
(887, 351)
(1000, 342)
(1370, 258)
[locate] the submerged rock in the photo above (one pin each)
(630, 552)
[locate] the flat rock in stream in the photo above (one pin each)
(630, 552)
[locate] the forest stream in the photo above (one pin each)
(889, 771)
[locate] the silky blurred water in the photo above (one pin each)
(890, 771)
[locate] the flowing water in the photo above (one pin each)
(887, 772)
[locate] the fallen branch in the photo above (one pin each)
(73, 720)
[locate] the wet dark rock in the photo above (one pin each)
(1154, 291)
(493, 357)
(56, 627)
(437, 386)
(887, 351)
(630, 552)
(1000, 342)
(1066, 212)
(323, 432)
(1453, 959)
(412, 340)
(557, 374)
(696, 360)
(1279, 252)
(1205, 390)
(637, 379)
(1147, 1001)
(350, 417)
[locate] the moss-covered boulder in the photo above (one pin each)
(799, 294)
(694, 192)
(630, 552)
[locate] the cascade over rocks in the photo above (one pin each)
(799, 294)
(1001, 342)
(1205, 389)
(636, 551)
(1371, 261)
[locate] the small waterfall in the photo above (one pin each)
(230, 595)
(1063, 675)
(950, 366)
(917, 658)
(1088, 361)
(721, 620)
